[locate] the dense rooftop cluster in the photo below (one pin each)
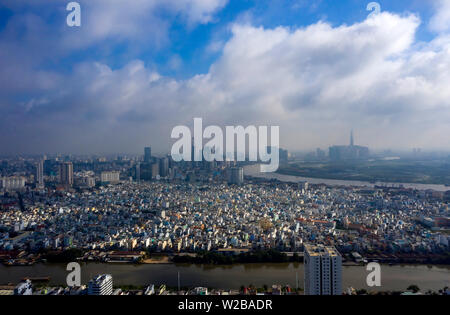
(186, 217)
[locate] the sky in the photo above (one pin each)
(136, 69)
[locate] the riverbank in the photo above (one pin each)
(213, 258)
(254, 171)
(372, 171)
(394, 278)
(162, 260)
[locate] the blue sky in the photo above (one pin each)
(188, 45)
(141, 67)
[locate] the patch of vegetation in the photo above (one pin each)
(66, 256)
(398, 171)
(216, 258)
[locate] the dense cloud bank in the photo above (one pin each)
(315, 82)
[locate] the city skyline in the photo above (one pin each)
(131, 73)
(136, 153)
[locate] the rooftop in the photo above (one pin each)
(320, 250)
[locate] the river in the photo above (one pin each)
(232, 277)
(254, 171)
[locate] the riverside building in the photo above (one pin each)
(101, 285)
(323, 270)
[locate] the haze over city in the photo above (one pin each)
(130, 74)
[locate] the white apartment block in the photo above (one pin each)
(110, 177)
(12, 183)
(323, 270)
(101, 285)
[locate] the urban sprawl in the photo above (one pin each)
(128, 209)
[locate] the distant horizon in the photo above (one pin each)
(161, 154)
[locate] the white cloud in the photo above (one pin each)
(316, 82)
(112, 21)
(440, 22)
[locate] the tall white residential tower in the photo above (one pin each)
(323, 270)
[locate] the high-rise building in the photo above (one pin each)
(12, 183)
(66, 174)
(86, 181)
(40, 174)
(110, 177)
(148, 155)
(101, 285)
(155, 170)
(284, 156)
(24, 288)
(146, 171)
(138, 172)
(193, 148)
(349, 152)
(323, 270)
(164, 167)
(236, 176)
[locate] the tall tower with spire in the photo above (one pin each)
(352, 140)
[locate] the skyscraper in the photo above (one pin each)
(164, 167)
(193, 148)
(352, 140)
(323, 270)
(284, 156)
(147, 155)
(40, 174)
(155, 170)
(101, 285)
(349, 152)
(66, 174)
(138, 172)
(236, 176)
